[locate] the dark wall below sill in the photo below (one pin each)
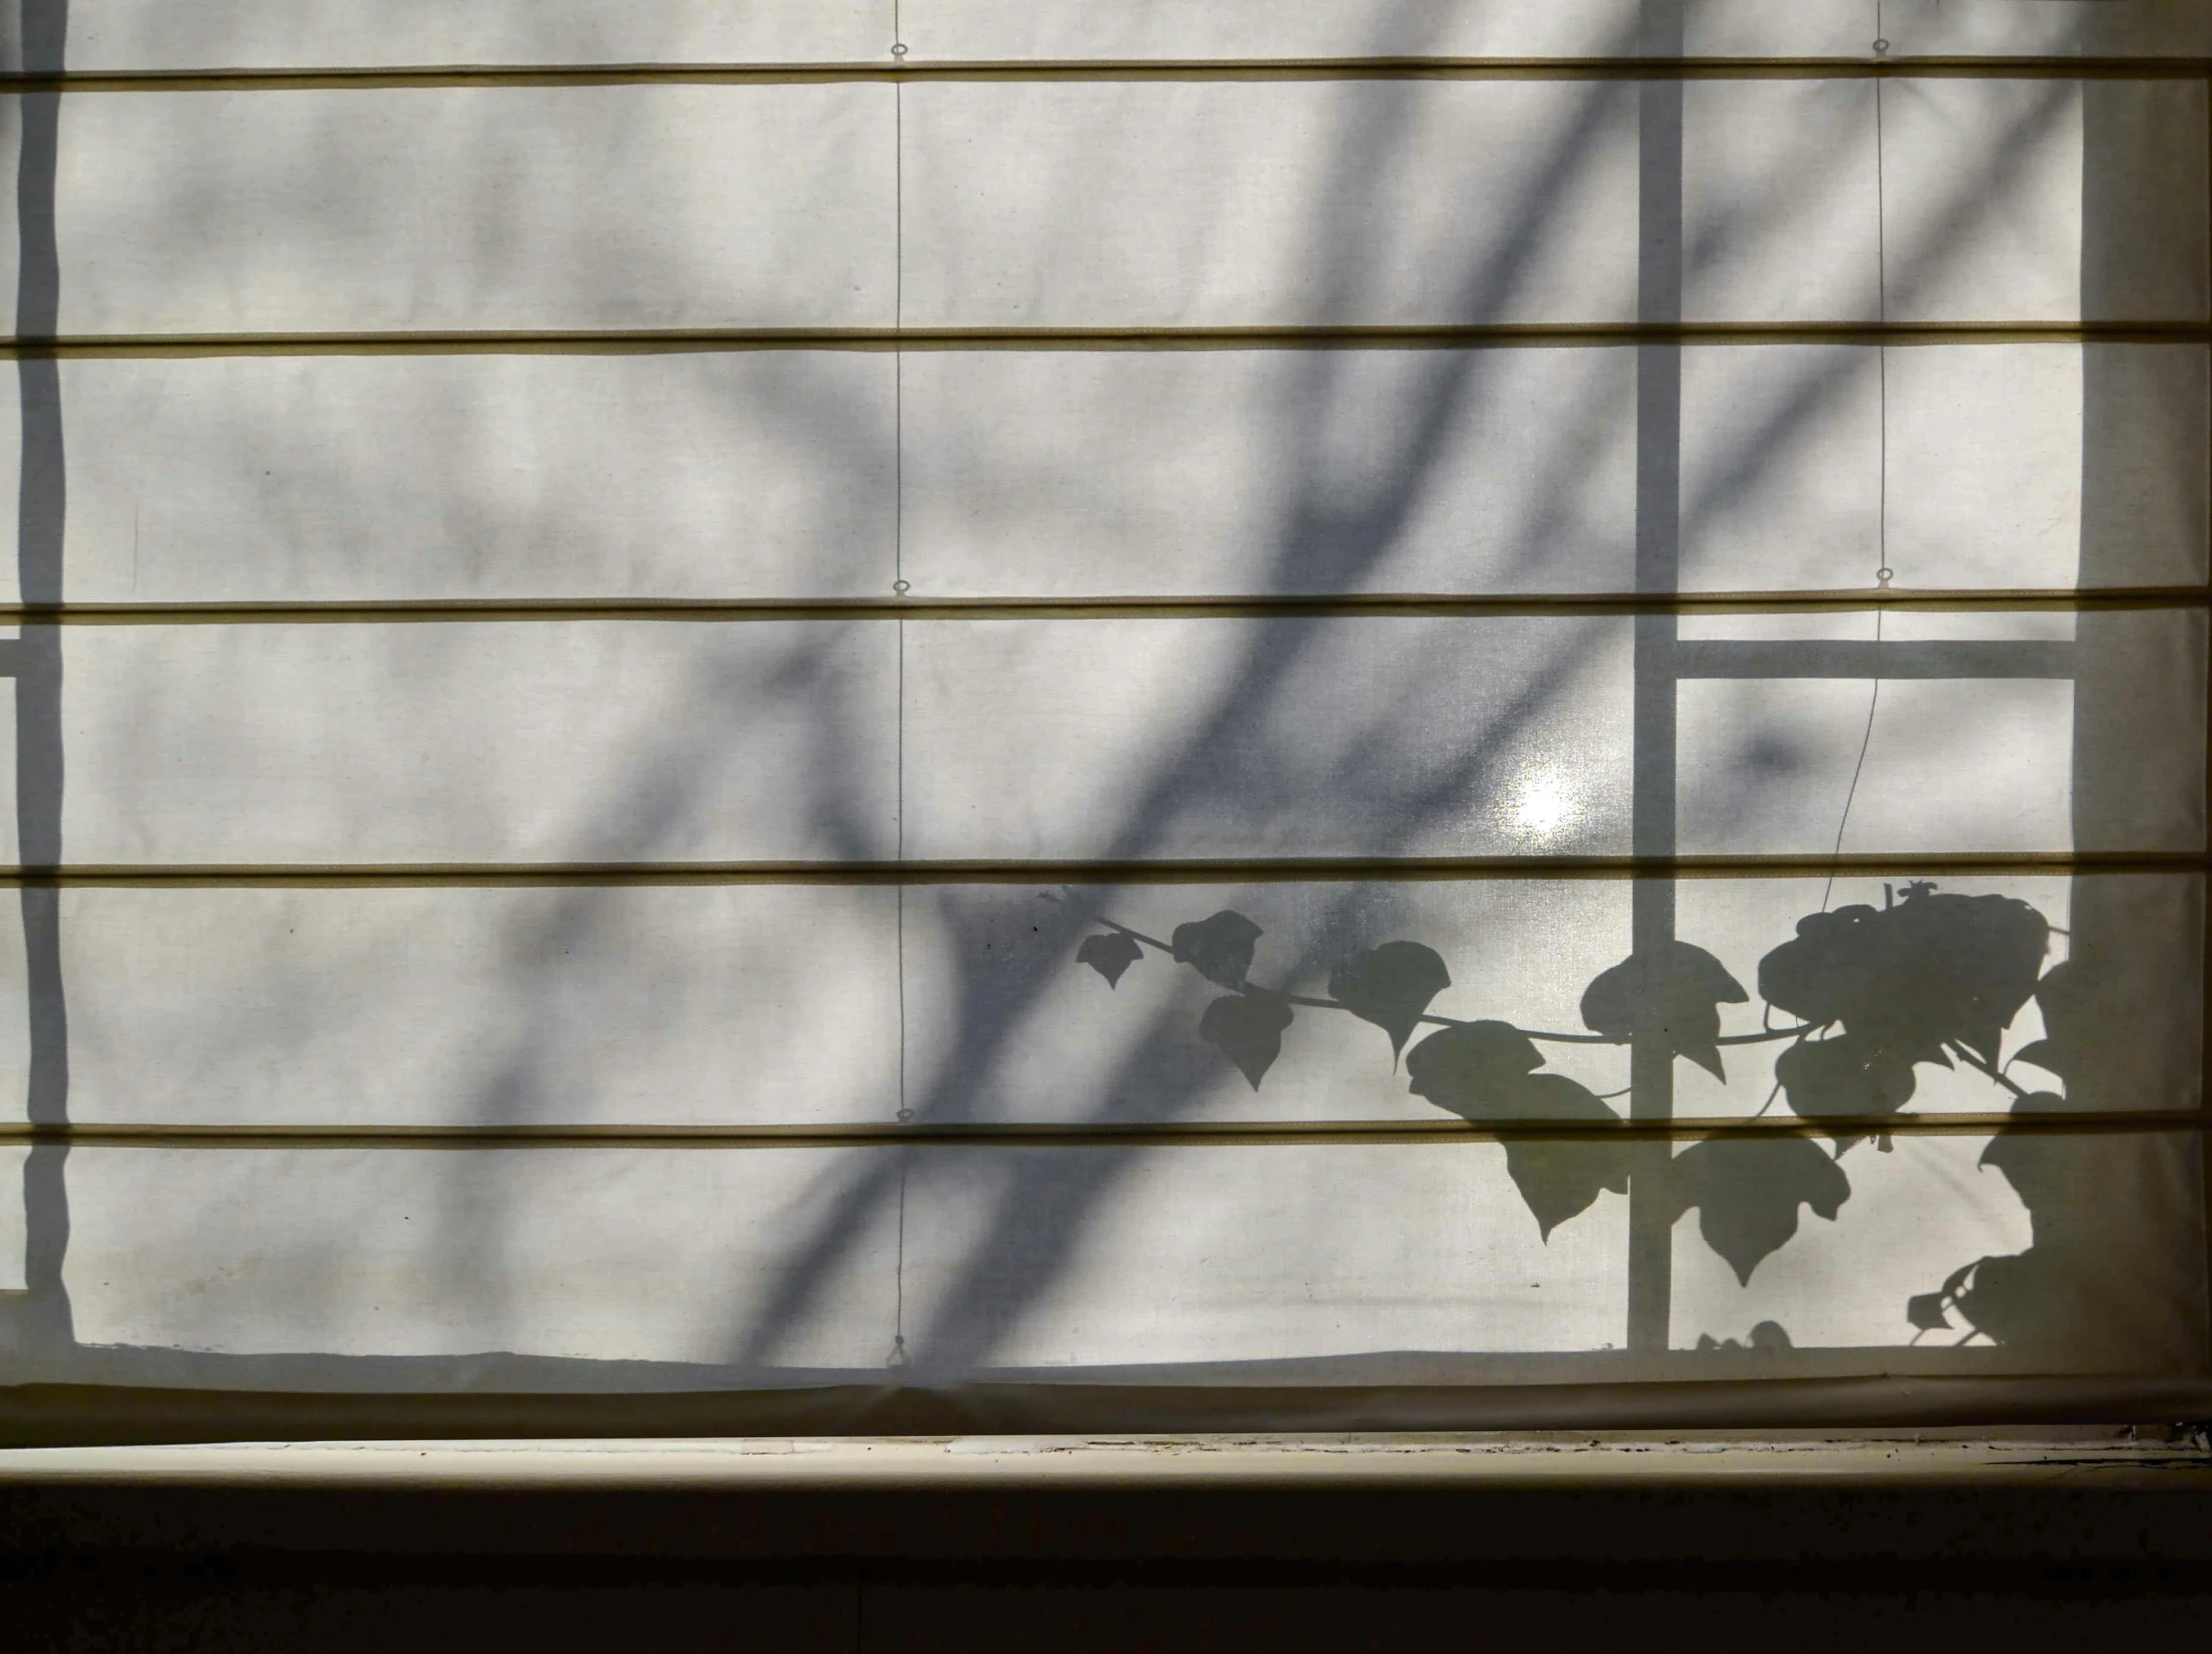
(139, 1566)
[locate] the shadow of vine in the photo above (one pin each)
(1928, 979)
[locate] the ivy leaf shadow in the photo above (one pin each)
(1562, 1180)
(1485, 1073)
(1390, 986)
(1748, 1192)
(1679, 989)
(1849, 1075)
(2007, 1300)
(1248, 1029)
(1219, 947)
(2070, 1007)
(2076, 1274)
(1109, 953)
(1925, 1311)
(2032, 1297)
(2045, 1171)
(1909, 977)
(1460, 1069)
(1766, 1335)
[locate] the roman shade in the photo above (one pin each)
(809, 716)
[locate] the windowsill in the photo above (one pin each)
(2048, 1459)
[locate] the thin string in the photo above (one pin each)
(898, 1357)
(899, 830)
(1874, 701)
(898, 319)
(1885, 574)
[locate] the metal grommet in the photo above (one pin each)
(899, 48)
(1882, 577)
(901, 586)
(1881, 46)
(906, 1114)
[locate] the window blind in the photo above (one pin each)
(811, 717)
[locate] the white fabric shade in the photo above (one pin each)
(593, 644)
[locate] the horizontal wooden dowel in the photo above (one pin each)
(1224, 605)
(1165, 871)
(395, 77)
(1077, 1135)
(1420, 336)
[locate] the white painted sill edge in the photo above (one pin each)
(2046, 1458)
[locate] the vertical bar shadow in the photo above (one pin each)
(45, 1321)
(1658, 568)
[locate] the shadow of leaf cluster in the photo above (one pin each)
(1932, 977)
(2040, 1295)
(1907, 984)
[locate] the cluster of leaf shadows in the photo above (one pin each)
(1933, 977)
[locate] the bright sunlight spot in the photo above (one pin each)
(1540, 806)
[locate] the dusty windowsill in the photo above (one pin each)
(2052, 1459)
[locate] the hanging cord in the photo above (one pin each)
(1873, 702)
(898, 1357)
(1885, 574)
